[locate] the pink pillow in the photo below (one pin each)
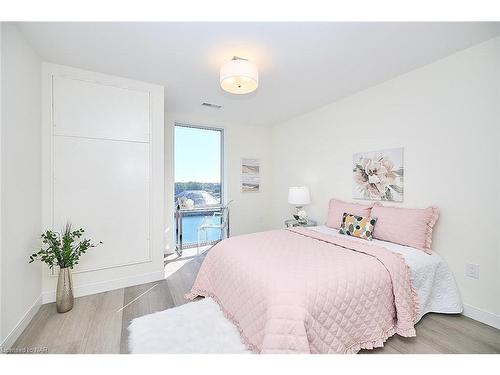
(405, 226)
(338, 208)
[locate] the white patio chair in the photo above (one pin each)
(207, 224)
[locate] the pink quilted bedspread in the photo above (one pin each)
(300, 291)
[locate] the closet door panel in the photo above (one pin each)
(103, 186)
(89, 109)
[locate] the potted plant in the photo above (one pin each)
(63, 251)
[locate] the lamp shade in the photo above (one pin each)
(299, 196)
(239, 76)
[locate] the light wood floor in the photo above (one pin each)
(98, 323)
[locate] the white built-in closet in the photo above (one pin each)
(103, 171)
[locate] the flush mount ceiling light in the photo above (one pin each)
(239, 76)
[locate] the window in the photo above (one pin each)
(198, 178)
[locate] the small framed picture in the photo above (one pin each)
(250, 175)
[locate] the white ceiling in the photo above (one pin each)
(301, 65)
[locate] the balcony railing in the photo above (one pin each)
(187, 222)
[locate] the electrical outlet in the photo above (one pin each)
(472, 270)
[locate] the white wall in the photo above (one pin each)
(446, 116)
(249, 211)
(1, 127)
(103, 171)
(20, 183)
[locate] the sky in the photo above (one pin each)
(197, 155)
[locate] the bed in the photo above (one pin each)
(432, 278)
(312, 290)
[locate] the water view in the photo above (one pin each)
(190, 225)
(198, 158)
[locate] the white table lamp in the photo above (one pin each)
(299, 196)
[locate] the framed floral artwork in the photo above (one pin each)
(378, 175)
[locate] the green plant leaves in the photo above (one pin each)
(62, 250)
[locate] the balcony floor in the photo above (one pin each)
(174, 262)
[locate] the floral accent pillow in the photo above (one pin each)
(358, 226)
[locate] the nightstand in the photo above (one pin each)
(290, 223)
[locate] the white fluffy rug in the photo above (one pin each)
(196, 327)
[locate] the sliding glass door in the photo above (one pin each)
(198, 181)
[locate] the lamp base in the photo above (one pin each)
(296, 215)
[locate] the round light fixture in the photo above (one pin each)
(239, 76)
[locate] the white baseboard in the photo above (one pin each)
(105, 286)
(482, 316)
(21, 325)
